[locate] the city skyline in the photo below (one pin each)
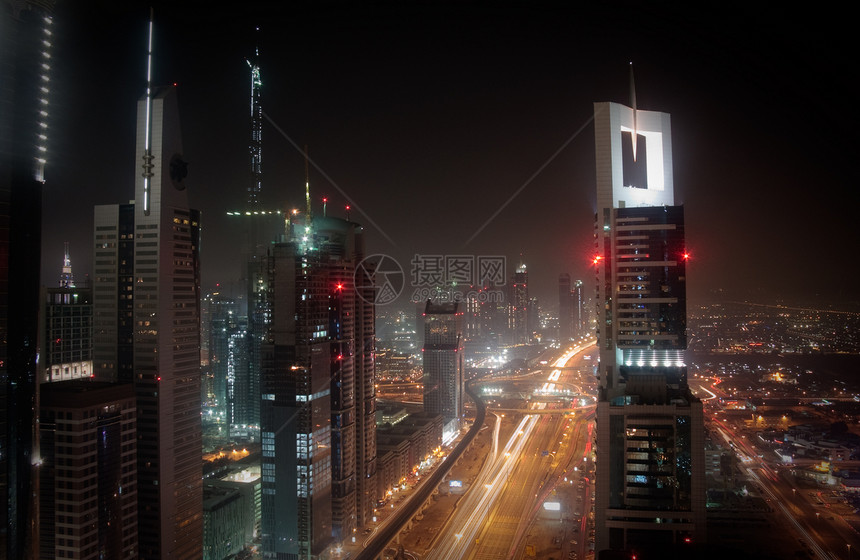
(453, 132)
(462, 107)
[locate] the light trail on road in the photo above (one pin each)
(481, 502)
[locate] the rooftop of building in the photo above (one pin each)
(82, 393)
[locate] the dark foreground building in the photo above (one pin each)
(88, 473)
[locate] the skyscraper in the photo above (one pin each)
(166, 337)
(443, 362)
(147, 327)
(25, 96)
(565, 309)
(67, 341)
(223, 324)
(318, 406)
(88, 490)
(113, 292)
(579, 319)
(518, 307)
(650, 450)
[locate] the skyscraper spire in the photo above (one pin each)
(307, 188)
(67, 280)
(255, 148)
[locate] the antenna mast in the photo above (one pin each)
(67, 280)
(307, 187)
(255, 148)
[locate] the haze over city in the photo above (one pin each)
(440, 122)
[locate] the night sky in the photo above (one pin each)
(430, 116)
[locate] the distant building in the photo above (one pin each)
(579, 320)
(223, 322)
(67, 344)
(88, 473)
(519, 327)
(443, 361)
(650, 488)
(565, 308)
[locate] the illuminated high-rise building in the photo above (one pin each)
(318, 417)
(444, 388)
(518, 307)
(579, 319)
(26, 37)
(223, 324)
(650, 450)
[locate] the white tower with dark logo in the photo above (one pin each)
(650, 452)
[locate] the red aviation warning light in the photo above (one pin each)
(686, 256)
(596, 260)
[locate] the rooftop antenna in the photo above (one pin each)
(147, 139)
(633, 106)
(307, 187)
(67, 280)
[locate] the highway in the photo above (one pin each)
(492, 519)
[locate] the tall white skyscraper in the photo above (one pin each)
(147, 329)
(650, 451)
(166, 338)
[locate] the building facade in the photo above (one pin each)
(166, 349)
(650, 449)
(519, 307)
(113, 292)
(443, 360)
(318, 398)
(88, 473)
(67, 330)
(147, 328)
